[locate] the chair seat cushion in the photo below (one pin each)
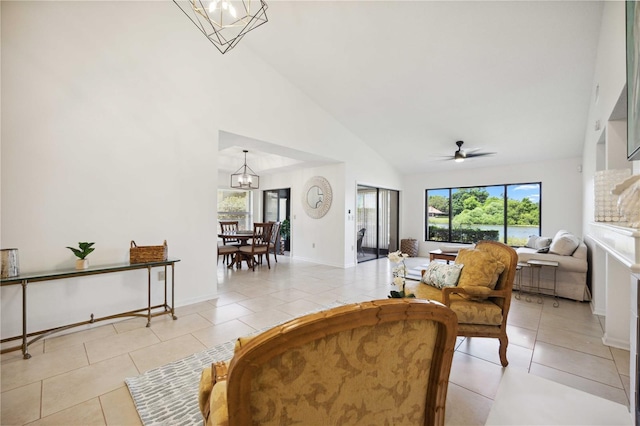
(480, 312)
(227, 249)
(255, 250)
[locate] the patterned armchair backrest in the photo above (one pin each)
(379, 362)
(509, 257)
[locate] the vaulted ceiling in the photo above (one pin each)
(410, 78)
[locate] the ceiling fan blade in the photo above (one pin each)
(440, 158)
(462, 154)
(480, 154)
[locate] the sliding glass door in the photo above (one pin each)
(377, 222)
(276, 208)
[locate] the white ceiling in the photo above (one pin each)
(411, 78)
(262, 157)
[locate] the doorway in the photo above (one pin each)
(276, 205)
(377, 222)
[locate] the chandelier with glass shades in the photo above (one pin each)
(224, 22)
(244, 177)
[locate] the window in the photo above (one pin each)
(507, 213)
(235, 205)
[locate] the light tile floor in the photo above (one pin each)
(78, 379)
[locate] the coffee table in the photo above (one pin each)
(439, 254)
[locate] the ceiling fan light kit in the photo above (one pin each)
(459, 156)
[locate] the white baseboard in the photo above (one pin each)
(616, 343)
(198, 299)
(596, 311)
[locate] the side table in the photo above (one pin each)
(537, 265)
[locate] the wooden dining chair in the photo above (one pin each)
(227, 252)
(228, 227)
(259, 244)
(274, 240)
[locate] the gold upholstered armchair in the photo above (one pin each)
(477, 288)
(378, 362)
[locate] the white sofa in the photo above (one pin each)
(572, 269)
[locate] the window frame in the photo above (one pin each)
(243, 224)
(505, 224)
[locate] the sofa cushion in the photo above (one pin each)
(480, 269)
(441, 275)
(566, 263)
(564, 243)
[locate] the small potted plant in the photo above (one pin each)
(285, 232)
(81, 253)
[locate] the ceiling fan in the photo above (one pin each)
(459, 156)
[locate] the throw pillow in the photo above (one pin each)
(536, 242)
(441, 275)
(531, 243)
(480, 269)
(564, 244)
(543, 250)
(543, 242)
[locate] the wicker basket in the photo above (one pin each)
(144, 254)
(409, 246)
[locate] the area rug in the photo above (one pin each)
(168, 395)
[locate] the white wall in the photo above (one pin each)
(610, 76)
(561, 194)
(98, 145)
(610, 153)
(314, 240)
(333, 235)
(111, 116)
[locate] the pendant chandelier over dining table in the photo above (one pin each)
(244, 177)
(224, 22)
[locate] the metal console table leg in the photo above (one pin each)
(518, 281)
(537, 268)
(538, 265)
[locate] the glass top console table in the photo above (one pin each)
(37, 277)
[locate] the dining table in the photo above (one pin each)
(240, 237)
